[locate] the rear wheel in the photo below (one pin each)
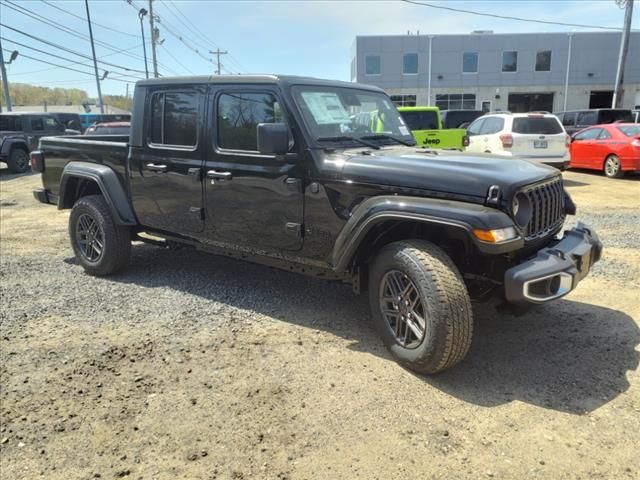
(420, 306)
(613, 167)
(18, 161)
(101, 246)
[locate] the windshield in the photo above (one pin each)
(630, 130)
(421, 120)
(344, 114)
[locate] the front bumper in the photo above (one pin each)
(555, 270)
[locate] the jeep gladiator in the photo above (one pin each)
(274, 169)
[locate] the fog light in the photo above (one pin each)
(496, 236)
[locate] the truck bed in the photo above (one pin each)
(109, 150)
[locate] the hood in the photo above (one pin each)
(450, 173)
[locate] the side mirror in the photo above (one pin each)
(273, 138)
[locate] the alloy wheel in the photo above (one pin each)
(90, 237)
(403, 309)
(611, 166)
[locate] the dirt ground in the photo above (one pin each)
(188, 366)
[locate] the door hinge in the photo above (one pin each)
(197, 211)
(294, 184)
(293, 229)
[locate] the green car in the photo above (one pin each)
(427, 128)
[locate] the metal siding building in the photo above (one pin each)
(380, 61)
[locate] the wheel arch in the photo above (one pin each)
(80, 179)
(448, 224)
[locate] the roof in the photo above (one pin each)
(21, 114)
(77, 108)
(249, 79)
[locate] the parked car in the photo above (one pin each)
(536, 137)
(459, 118)
(274, 170)
(575, 120)
(109, 128)
(89, 119)
(612, 148)
(19, 135)
(426, 126)
(71, 121)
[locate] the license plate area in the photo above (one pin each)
(540, 144)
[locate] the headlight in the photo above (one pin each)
(496, 236)
(521, 209)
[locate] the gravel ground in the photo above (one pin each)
(197, 367)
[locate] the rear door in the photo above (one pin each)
(166, 182)
(476, 143)
(253, 201)
(538, 136)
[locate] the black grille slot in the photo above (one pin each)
(547, 208)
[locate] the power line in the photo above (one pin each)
(84, 20)
(166, 50)
(70, 31)
(60, 57)
(64, 67)
(506, 17)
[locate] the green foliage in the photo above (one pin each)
(118, 101)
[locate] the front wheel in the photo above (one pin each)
(420, 306)
(101, 246)
(613, 167)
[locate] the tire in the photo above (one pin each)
(91, 221)
(18, 161)
(612, 167)
(444, 306)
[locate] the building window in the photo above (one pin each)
(509, 61)
(239, 115)
(470, 62)
(410, 63)
(372, 65)
(543, 61)
(174, 119)
(404, 100)
(456, 101)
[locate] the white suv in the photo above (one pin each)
(537, 137)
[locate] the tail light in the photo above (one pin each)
(636, 143)
(465, 141)
(507, 141)
(37, 161)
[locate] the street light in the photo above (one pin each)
(141, 15)
(13, 56)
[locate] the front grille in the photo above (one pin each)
(547, 208)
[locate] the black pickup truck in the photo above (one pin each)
(277, 170)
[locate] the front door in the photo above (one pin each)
(253, 201)
(166, 173)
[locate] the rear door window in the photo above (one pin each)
(475, 127)
(630, 130)
(587, 118)
(492, 125)
(537, 126)
(610, 116)
(174, 119)
(604, 135)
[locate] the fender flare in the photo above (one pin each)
(8, 143)
(458, 215)
(109, 185)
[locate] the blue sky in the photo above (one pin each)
(296, 37)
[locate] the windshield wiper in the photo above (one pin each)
(346, 138)
(381, 136)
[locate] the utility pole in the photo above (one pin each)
(622, 57)
(217, 53)
(141, 15)
(5, 81)
(566, 76)
(154, 36)
(93, 51)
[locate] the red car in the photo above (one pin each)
(613, 148)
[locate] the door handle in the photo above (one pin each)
(219, 175)
(156, 168)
